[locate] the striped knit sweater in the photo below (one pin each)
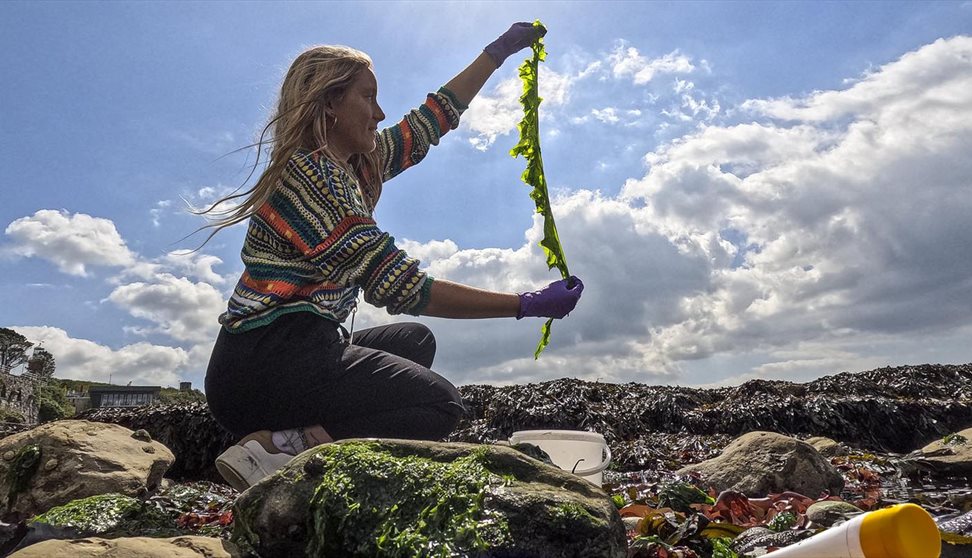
(314, 244)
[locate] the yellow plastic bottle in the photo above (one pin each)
(901, 531)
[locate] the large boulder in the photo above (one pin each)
(950, 455)
(133, 547)
(62, 461)
(189, 430)
(760, 463)
(394, 497)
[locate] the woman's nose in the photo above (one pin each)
(379, 114)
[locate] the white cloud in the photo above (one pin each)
(856, 214)
(81, 359)
(494, 114)
(628, 62)
(72, 242)
(498, 112)
(889, 91)
(195, 264)
(179, 308)
(607, 115)
(156, 212)
(802, 246)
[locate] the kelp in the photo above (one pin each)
(533, 176)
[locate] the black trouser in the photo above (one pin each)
(299, 371)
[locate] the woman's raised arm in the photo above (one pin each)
(468, 82)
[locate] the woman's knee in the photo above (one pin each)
(449, 414)
(422, 342)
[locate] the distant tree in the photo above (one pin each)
(13, 349)
(173, 396)
(52, 402)
(42, 363)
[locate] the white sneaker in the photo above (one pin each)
(252, 459)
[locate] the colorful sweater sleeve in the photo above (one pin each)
(407, 142)
(318, 209)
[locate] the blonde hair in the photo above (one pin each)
(318, 76)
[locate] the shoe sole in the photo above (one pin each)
(234, 454)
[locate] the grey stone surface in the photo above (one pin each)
(761, 463)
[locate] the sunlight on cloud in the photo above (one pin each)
(181, 309)
(498, 112)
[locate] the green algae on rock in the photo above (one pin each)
(110, 514)
(437, 508)
(95, 514)
(396, 498)
(24, 465)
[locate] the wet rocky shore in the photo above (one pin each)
(889, 433)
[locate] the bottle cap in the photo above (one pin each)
(901, 531)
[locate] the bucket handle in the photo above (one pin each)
(595, 469)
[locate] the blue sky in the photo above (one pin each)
(773, 190)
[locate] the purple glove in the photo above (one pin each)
(519, 36)
(553, 301)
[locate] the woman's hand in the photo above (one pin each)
(556, 300)
(517, 37)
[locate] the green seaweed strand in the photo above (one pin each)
(529, 147)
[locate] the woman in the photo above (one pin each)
(284, 375)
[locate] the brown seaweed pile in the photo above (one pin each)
(887, 410)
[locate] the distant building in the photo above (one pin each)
(80, 399)
(123, 396)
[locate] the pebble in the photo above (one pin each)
(828, 513)
(142, 435)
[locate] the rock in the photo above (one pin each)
(761, 463)
(391, 497)
(756, 539)
(829, 512)
(189, 430)
(950, 455)
(961, 525)
(827, 447)
(134, 547)
(91, 458)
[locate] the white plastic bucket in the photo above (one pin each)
(583, 453)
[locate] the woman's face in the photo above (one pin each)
(358, 115)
